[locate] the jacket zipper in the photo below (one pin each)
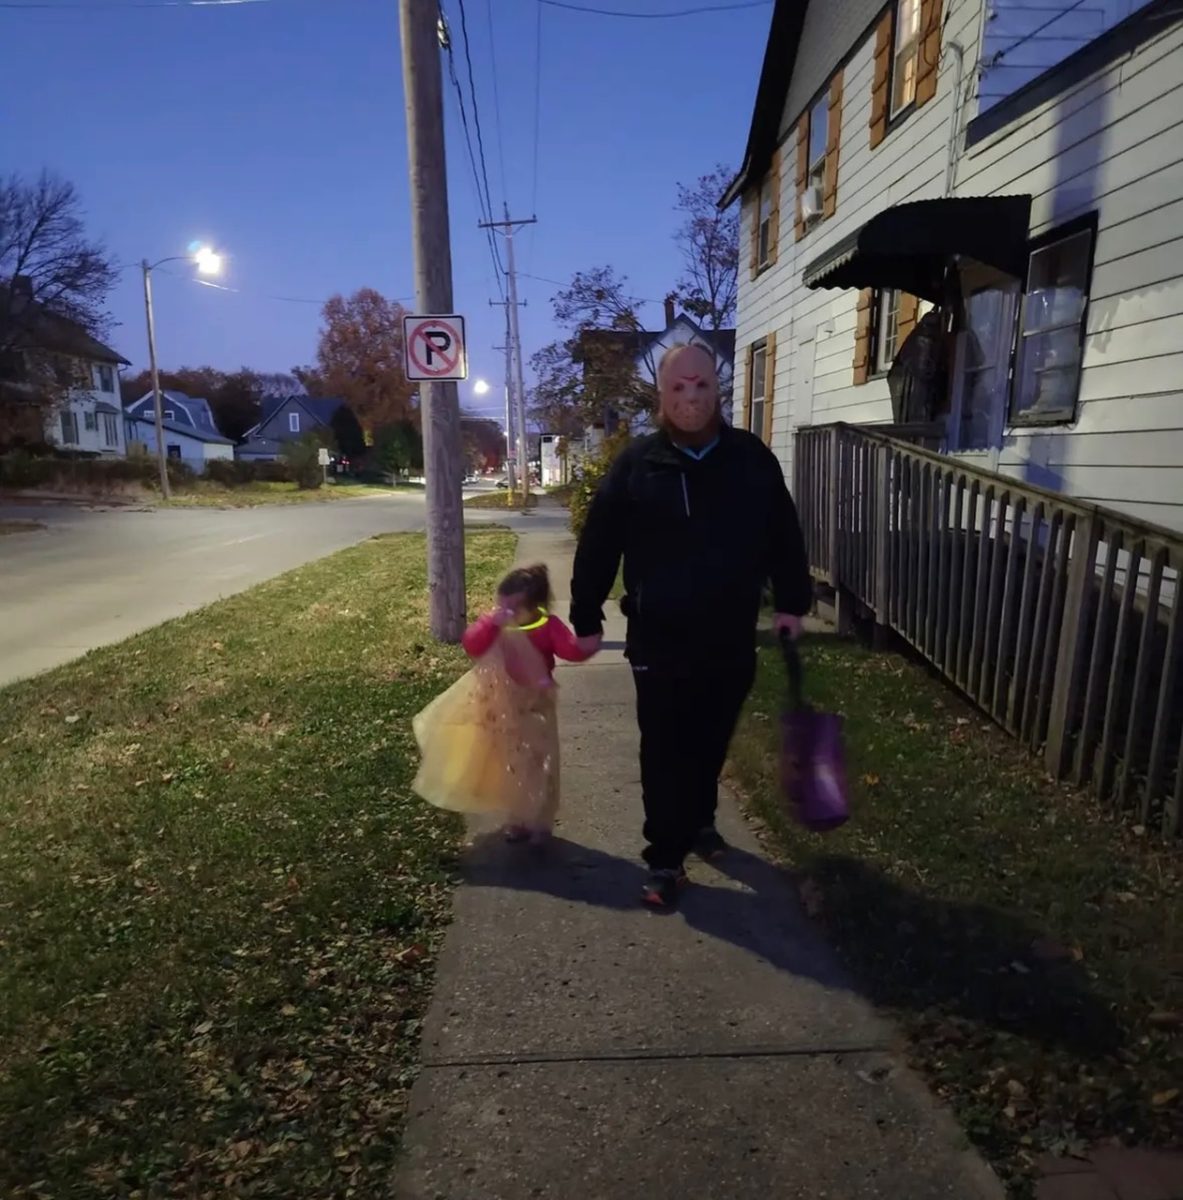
(685, 494)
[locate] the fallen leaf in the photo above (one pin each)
(1166, 1020)
(203, 1028)
(1162, 1099)
(288, 1010)
(871, 780)
(73, 719)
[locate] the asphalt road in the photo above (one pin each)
(90, 578)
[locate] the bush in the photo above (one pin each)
(70, 473)
(241, 472)
(302, 457)
(588, 475)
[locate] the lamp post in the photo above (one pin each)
(208, 263)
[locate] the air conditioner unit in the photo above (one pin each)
(811, 203)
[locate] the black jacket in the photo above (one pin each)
(700, 540)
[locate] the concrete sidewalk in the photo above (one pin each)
(579, 1045)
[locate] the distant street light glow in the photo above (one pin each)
(480, 387)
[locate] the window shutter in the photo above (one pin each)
(769, 387)
(862, 337)
(833, 145)
(909, 313)
(879, 98)
(749, 355)
(754, 207)
(774, 219)
(802, 174)
(928, 68)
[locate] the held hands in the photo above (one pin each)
(591, 644)
(787, 623)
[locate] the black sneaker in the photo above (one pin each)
(709, 845)
(662, 887)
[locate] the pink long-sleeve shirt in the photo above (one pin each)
(552, 639)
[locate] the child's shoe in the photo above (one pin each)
(662, 888)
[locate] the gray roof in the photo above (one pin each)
(190, 431)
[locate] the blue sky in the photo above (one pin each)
(276, 131)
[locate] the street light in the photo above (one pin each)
(480, 387)
(208, 262)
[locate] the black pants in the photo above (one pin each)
(686, 722)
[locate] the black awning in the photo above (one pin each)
(908, 246)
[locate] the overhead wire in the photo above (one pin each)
(999, 55)
(484, 202)
(656, 16)
(106, 5)
(496, 99)
(537, 104)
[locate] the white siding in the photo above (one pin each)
(1114, 145)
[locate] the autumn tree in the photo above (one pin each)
(484, 443)
(708, 240)
(359, 359)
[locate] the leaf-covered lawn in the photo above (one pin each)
(219, 901)
(1030, 946)
(19, 527)
(202, 494)
(501, 498)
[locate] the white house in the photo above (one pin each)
(50, 352)
(1020, 167)
(190, 432)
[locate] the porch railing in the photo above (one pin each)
(1059, 619)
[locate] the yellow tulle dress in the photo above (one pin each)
(490, 744)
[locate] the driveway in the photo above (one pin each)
(94, 577)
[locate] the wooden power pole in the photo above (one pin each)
(439, 402)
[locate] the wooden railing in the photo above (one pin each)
(1060, 619)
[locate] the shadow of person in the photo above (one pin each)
(898, 948)
(918, 952)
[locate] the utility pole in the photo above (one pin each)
(512, 392)
(157, 403)
(506, 227)
(439, 402)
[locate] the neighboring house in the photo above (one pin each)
(646, 347)
(288, 418)
(1020, 168)
(50, 351)
(190, 432)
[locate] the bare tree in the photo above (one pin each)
(709, 242)
(48, 266)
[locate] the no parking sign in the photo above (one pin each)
(433, 347)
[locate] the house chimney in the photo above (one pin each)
(669, 309)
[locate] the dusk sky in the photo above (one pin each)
(275, 131)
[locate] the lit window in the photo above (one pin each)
(905, 59)
(759, 397)
(887, 328)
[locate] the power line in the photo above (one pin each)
(997, 57)
(476, 114)
(484, 204)
(103, 5)
(222, 287)
(656, 16)
(496, 99)
(537, 107)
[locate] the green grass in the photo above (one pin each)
(502, 498)
(219, 900)
(250, 495)
(1030, 947)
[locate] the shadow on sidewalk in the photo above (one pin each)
(906, 951)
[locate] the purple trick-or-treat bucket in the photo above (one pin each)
(812, 759)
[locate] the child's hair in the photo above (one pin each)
(531, 583)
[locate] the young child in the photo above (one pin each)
(523, 601)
